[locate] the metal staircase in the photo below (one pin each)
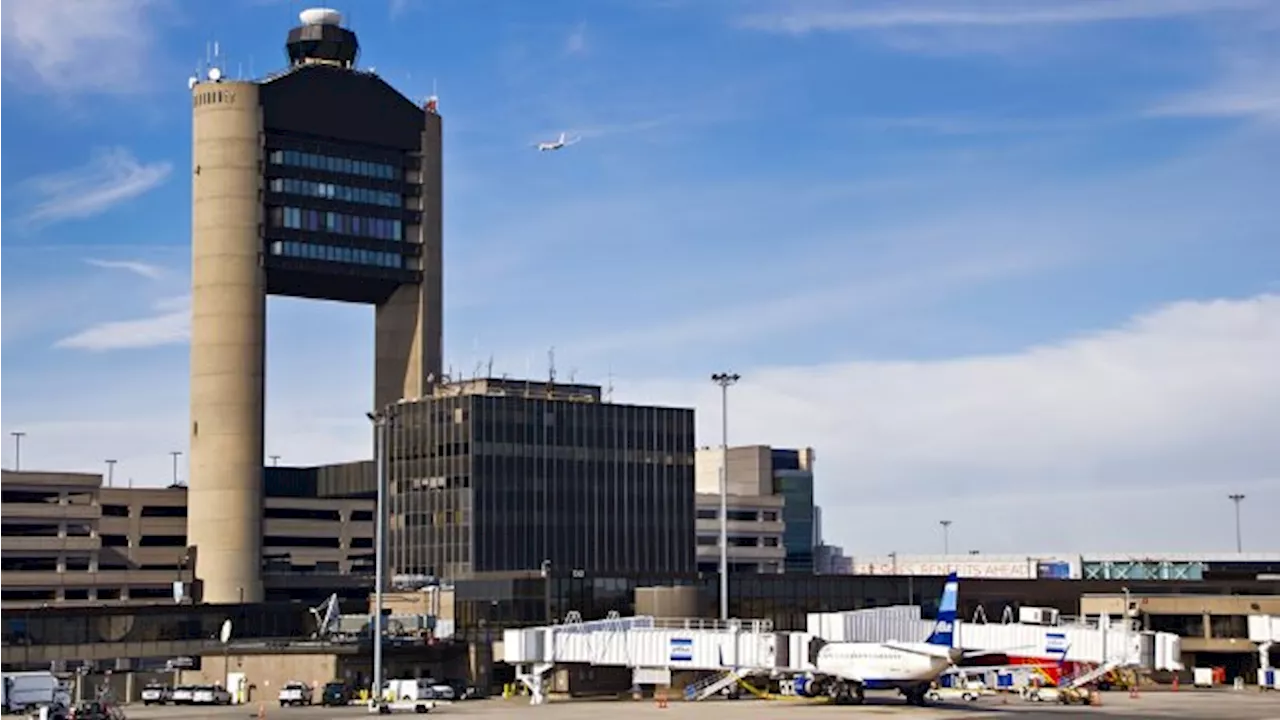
(1090, 676)
(710, 685)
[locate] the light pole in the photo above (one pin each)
(17, 449)
(111, 472)
(176, 454)
(379, 421)
(946, 536)
(724, 380)
(1124, 637)
(275, 460)
(1236, 498)
(546, 590)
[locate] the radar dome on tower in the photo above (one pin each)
(320, 16)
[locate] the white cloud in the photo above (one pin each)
(1103, 441)
(94, 46)
(112, 176)
(170, 325)
(146, 270)
(1248, 86)
(576, 43)
(803, 17)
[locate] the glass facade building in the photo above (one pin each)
(490, 476)
(793, 480)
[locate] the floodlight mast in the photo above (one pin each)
(724, 380)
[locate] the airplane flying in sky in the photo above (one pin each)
(845, 670)
(557, 143)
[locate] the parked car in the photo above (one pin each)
(181, 695)
(295, 693)
(210, 695)
(336, 693)
(156, 694)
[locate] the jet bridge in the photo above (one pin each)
(647, 643)
(751, 647)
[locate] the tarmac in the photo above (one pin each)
(1193, 705)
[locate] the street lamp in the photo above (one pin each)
(946, 536)
(724, 380)
(176, 454)
(379, 421)
(1236, 498)
(111, 472)
(17, 450)
(546, 590)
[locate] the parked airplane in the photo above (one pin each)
(846, 670)
(557, 143)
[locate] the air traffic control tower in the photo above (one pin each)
(319, 181)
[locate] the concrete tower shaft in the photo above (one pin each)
(228, 335)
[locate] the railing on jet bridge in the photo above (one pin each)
(606, 625)
(744, 625)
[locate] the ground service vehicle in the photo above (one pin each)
(336, 694)
(156, 694)
(295, 693)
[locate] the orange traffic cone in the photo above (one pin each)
(662, 699)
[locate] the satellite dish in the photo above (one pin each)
(192, 81)
(224, 635)
(215, 74)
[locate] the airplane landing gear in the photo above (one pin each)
(844, 693)
(917, 695)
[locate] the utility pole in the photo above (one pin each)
(1236, 498)
(379, 421)
(17, 450)
(724, 380)
(946, 536)
(176, 454)
(111, 472)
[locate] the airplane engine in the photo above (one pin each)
(809, 686)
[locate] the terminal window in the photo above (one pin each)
(330, 163)
(336, 253)
(337, 223)
(330, 191)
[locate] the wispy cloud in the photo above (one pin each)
(804, 17)
(146, 270)
(171, 324)
(1248, 86)
(112, 176)
(87, 46)
(576, 43)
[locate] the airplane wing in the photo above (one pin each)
(938, 651)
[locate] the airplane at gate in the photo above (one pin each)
(846, 670)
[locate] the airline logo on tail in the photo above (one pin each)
(944, 630)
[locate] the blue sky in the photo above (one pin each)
(991, 258)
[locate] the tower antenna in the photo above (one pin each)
(608, 389)
(489, 371)
(551, 366)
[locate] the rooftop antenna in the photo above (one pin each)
(551, 366)
(573, 375)
(489, 370)
(608, 389)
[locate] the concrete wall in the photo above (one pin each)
(228, 334)
(266, 673)
(750, 470)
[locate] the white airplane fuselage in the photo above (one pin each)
(877, 665)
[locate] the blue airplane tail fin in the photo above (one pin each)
(944, 630)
